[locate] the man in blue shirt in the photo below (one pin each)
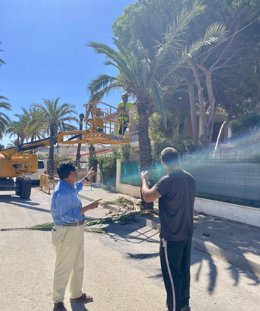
(68, 236)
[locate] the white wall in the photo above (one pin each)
(244, 214)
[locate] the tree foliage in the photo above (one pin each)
(55, 117)
(223, 52)
(4, 106)
(4, 119)
(246, 122)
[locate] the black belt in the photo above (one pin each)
(73, 224)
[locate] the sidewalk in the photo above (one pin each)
(234, 242)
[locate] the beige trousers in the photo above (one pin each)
(69, 265)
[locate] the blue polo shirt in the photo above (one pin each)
(66, 204)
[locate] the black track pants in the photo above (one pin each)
(175, 262)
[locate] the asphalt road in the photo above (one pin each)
(122, 268)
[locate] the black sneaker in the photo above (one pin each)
(59, 306)
(83, 299)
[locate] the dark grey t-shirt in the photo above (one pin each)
(176, 204)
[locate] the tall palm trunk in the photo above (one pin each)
(193, 115)
(145, 148)
(94, 163)
(78, 155)
(51, 164)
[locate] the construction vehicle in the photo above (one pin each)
(101, 128)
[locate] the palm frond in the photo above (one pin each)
(111, 63)
(174, 39)
(96, 97)
(215, 33)
(1, 60)
(4, 104)
(118, 58)
(158, 101)
(4, 119)
(100, 82)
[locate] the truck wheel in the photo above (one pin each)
(18, 186)
(26, 186)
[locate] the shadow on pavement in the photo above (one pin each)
(231, 239)
(211, 230)
(131, 233)
(28, 204)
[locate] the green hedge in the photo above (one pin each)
(107, 165)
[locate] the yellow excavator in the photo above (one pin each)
(102, 127)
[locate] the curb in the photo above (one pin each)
(202, 245)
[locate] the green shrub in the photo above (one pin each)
(126, 152)
(107, 165)
(92, 162)
(246, 123)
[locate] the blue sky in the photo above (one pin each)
(44, 43)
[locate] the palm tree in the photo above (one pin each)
(56, 117)
(78, 156)
(22, 128)
(136, 77)
(17, 130)
(33, 123)
(4, 119)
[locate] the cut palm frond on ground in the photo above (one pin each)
(42, 227)
(119, 217)
(122, 202)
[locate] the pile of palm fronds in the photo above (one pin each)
(122, 202)
(118, 217)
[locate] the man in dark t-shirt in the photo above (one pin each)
(176, 194)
